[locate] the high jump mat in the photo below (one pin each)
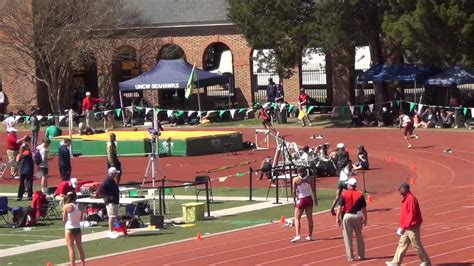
(171, 143)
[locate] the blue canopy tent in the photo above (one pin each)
(171, 74)
(455, 74)
(401, 72)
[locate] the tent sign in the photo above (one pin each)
(157, 86)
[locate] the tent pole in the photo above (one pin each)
(121, 108)
(229, 91)
(415, 90)
(199, 99)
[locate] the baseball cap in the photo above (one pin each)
(404, 186)
(340, 145)
(113, 170)
(351, 181)
(88, 93)
(74, 182)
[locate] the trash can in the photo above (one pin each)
(281, 116)
(193, 211)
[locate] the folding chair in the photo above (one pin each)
(283, 183)
(202, 187)
(4, 209)
(51, 210)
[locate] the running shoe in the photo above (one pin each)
(112, 235)
(417, 137)
(389, 263)
(409, 147)
(296, 238)
(309, 238)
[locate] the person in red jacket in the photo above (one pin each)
(88, 109)
(409, 231)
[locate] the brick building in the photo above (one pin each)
(197, 30)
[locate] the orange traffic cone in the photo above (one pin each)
(370, 199)
(198, 236)
(49, 263)
(391, 159)
(412, 181)
(282, 220)
(413, 167)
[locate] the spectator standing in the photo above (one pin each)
(112, 157)
(271, 90)
(303, 198)
(280, 93)
(10, 121)
(13, 146)
(35, 128)
(72, 217)
(344, 176)
(352, 214)
(52, 130)
(64, 160)
(88, 109)
(303, 103)
(110, 192)
(409, 231)
(26, 167)
(43, 167)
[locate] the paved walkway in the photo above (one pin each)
(100, 235)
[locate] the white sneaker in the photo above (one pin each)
(389, 263)
(16, 177)
(112, 235)
(296, 238)
(309, 238)
(409, 147)
(417, 137)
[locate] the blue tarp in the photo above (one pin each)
(455, 74)
(171, 74)
(401, 72)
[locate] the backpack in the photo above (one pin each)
(37, 157)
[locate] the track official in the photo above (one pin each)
(409, 231)
(352, 214)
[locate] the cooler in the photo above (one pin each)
(193, 211)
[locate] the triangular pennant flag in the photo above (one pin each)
(249, 111)
(391, 104)
(200, 113)
(157, 110)
(106, 112)
(147, 110)
(39, 117)
(221, 112)
(27, 118)
(222, 179)
(211, 111)
(398, 103)
(179, 113)
(240, 174)
(464, 111)
(472, 112)
(97, 114)
(420, 106)
(61, 117)
(361, 108)
(191, 112)
(371, 107)
(17, 117)
(241, 110)
(139, 108)
(232, 113)
(291, 108)
(169, 112)
(50, 117)
(282, 106)
(310, 108)
(412, 105)
(273, 105)
(118, 112)
(352, 109)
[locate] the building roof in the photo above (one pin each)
(181, 12)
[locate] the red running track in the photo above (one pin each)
(443, 185)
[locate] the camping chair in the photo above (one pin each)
(202, 187)
(284, 179)
(4, 209)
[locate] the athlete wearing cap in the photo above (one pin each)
(88, 108)
(352, 214)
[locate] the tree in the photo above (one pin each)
(281, 26)
(433, 32)
(46, 39)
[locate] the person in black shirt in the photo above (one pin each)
(26, 168)
(271, 90)
(110, 192)
(64, 160)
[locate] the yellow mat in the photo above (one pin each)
(140, 135)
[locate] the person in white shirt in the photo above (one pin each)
(344, 175)
(407, 124)
(10, 121)
(43, 167)
(72, 217)
(303, 195)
